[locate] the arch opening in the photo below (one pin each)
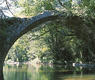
(15, 31)
(50, 43)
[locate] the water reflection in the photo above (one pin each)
(38, 72)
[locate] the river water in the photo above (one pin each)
(47, 72)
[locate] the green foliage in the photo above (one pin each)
(33, 7)
(19, 51)
(56, 42)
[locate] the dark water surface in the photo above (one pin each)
(45, 72)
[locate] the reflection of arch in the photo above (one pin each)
(16, 30)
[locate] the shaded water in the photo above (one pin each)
(38, 72)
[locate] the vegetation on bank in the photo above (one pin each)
(56, 42)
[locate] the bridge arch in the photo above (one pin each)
(18, 29)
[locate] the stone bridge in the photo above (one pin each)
(20, 26)
(17, 29)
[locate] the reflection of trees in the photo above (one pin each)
(22, 75)
(28, 73)
(16, 73)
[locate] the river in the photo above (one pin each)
(47, 72)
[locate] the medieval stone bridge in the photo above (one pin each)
(17, 29)
(22, 25)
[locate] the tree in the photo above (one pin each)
(59, 45)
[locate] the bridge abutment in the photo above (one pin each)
(1, 70)
(1, 65)
(4, 48)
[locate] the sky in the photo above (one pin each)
(13, 9)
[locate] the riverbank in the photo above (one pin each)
(32, 62)
(38, 62)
